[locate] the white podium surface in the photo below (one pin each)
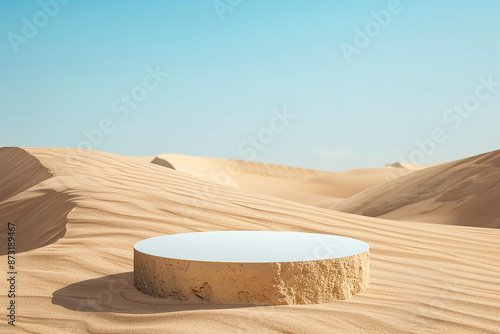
(251, 267)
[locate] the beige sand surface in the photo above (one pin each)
(78, 214)
(318, 188)
(463, 192)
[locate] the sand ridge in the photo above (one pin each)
(307, 186)
(463, 192)
(424, 278)
(30, 195)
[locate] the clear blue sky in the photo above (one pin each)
(229, 67)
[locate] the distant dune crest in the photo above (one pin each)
(405, 165)
(308, 186)
(463, 192)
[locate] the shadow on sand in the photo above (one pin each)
(117, 294)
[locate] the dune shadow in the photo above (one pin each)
(33, 214)
(117, 294)
(39, 219)
(162, 162)
(19, 172)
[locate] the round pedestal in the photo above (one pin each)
(251, 267)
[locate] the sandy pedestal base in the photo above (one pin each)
(262, 277)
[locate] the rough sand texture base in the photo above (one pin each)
(304, 282)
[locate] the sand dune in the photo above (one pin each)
(318, 188)
(29, 194)
(405, 165)
(23, 170)
(463, 192)
(424, 278)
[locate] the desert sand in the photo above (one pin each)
(463, 192)
(78, 214)
(318, 188)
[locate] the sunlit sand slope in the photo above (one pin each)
(424, 278)
(318, 188)
(463, 192)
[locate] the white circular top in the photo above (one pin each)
(251, 246)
